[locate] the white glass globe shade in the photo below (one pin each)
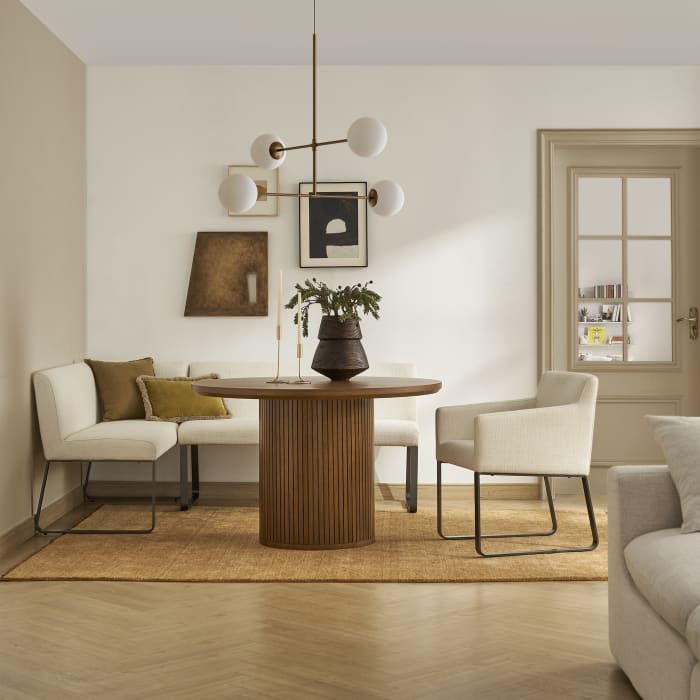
(390, 198)
(261, 155)
(238, 193)
(367, 137)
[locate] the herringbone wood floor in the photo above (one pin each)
(306, 641)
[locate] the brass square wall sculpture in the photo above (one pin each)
(229, 274)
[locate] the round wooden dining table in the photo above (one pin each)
(317, 455)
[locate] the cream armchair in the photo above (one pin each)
(549, 435)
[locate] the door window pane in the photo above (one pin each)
(599, 269)
(649, 206)
(650, 329)
(599, 206)
(649, 269)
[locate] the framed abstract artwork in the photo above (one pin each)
(267, 180)
(333, 231)
(228, 275)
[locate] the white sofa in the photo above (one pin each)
(67, 407)
(654, 585)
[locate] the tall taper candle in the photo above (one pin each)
(279, 307)
(299, 319)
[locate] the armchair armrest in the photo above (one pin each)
(551, 439)
(457, 422)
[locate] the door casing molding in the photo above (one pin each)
(548, 141)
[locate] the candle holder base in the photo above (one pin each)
(277, 379)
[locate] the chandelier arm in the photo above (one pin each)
(281, 149)
(319, 195)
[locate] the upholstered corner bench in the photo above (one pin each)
(71, 431)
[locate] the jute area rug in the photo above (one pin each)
(220, 544)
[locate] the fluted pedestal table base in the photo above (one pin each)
(316, 473)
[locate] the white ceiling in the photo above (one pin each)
(389, 32)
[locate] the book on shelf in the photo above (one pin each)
(611, 290)
(596, 335)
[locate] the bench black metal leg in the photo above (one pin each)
(55, 531)
(91, 499)
(194, 452)
(412, 479)
(185, 497)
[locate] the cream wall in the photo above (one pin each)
(42, 224)
(457, 268)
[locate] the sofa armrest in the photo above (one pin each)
(457, 422)
(640, 500)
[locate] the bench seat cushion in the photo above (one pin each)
(665, 567)
(392, 431)
(228, 431)
(119, 440)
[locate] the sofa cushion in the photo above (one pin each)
(119, 396)
(458, 452)
(234, 431)
(391, 431)
(665, 567)
(173, 399)
(679, 437)
(119, 440)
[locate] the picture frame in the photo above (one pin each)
(333, 232)
(229, 274)
(269, 180)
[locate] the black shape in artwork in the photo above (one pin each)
(324, 211)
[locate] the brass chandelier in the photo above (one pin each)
(366, 137)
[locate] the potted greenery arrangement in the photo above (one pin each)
(339, 354)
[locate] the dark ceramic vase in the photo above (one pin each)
(339, 354)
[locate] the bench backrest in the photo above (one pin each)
(402, 409)
(240, 408)
(66, 401)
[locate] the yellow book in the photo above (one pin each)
(596, 335)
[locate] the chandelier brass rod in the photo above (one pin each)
(318, 195)
(281, 149)
(313, 138)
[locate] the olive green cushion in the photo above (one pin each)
(119, 395)
(173, 399)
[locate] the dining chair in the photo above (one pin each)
(548, 435)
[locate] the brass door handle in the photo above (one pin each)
(692, 319)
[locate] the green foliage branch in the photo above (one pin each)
(344, 303)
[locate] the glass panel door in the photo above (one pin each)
(624, 269)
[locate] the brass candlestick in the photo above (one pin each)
(299, 380)
(277, 379)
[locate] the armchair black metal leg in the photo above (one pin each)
(56, 531)
(477, 507)
(194, 452)
(554, 550)
(412, 479)
(185, 498)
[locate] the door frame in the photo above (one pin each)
(548, 140)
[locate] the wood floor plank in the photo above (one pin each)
(147, 640)
(354, 641)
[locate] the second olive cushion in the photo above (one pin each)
(173, 399)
